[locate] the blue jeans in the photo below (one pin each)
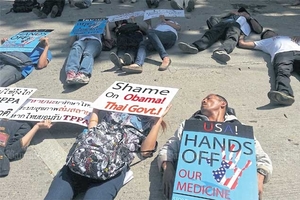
(157, 40)
(67, 185)
(81, 56)
(9, 75)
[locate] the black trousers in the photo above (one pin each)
(48, 4)
(227, 31)
(284, 64)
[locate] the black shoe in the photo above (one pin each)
(127, 59)
(107, 1)
(54, 11)
(81, 5)
(280, 98)
(156, 3)
(149, 3)
(190, 7)
(187, 48)
(175, 5)
(115, 59)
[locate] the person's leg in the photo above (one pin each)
(9, 75)
(60, 5)
(232, 34)
(48, 4)
(107, 189)
(74, 57)
(62, 185)
(91, 51)
(141, 54)
(283, 67)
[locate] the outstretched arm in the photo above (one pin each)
(43, 60)
(150, 142)
(245, 44)
(107, 34)
(93, 118)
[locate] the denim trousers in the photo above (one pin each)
(157, 40)
(81, 56)
(66, 185)
(227, 31)
(9, 75)
(284, 64)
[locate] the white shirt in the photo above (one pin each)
(163, 27)
(276, 45)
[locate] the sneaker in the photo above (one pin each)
(175, 5)
(115, 59)
(54, 11)
(82, 78)
(165, 65)
(149, 3)
(222, 56)
(71, 77)
(39, 13)
(186, 48)
(81, 5)
(280, 98)
(127, 59)
(191, 5)
(132, 69)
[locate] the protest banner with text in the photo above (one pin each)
(25, 41)
(56, 110)
(89, 26)
(216, 161)
(114, 18)
(135, 99)
(12, 98)
(149, 14)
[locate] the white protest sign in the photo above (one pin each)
(114, 18)
(149, 14)
(12, 98)
(56, 110)
(135, 99)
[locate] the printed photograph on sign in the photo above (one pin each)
(135, 99)
(216, 161)
(24, 41)
(13, 98)
(114, 18)
(56, 110)
(89, 26)
(149, 14)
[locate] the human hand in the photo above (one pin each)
(296, 39)
(168, 179)
(3, 40)
(45, 40)
(162, 17)
(167, 110)
(44, 124)
(260, 179)
(132, 18)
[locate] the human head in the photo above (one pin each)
(267, 34)
(214, 106)
(119, 23)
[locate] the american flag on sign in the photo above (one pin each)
(220, 174)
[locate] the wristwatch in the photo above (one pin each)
(262, 171)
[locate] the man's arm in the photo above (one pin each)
(43, 60)
(245, 44)
(256, 27)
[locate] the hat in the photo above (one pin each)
(4, 164)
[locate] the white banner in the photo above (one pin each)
(12, 98)
(114, 18)
(149, 14)
(135, 99)
(56, 110)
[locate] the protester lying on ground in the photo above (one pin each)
(188, 5)
(80, 62)
(284, 52)
(129, 36)
(296, 3)
(228, 29)
(152, 3)
(162, 37)
(99, 160)
(213, 108)
(132, 1)
(15, 66)
(87, 3)
(55, 7)
(15, 137)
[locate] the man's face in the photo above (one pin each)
(211, 103)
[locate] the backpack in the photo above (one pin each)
(101, 153)
(24, 6)
(128, 28)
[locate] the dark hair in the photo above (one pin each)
(117, 23)
(263, 33)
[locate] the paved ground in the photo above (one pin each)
(245, 81)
